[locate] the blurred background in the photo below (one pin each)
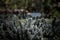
(43, 6)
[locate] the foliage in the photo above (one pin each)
(40, 4)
